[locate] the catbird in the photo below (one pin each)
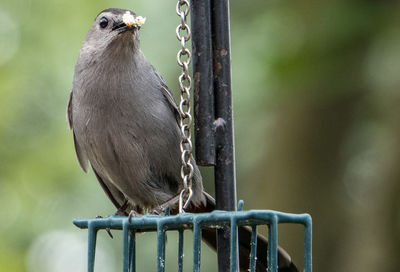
(125, 125)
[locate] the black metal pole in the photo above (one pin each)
(213, 106)
(203, 82)
(225, 176)
(225, 179)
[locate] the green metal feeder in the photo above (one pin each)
(196, 222)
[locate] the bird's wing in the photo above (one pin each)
(80, 154)
(167, 94)
(69, 111)
(115, 195)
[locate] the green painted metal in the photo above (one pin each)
(234, 236)
(180, 251)
(253, 252)
(196, 244)
(132, 251)
(160, 246)
(196, 222)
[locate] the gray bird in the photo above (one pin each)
(125, 124)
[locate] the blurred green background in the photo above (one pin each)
(317, 119)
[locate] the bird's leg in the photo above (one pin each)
(107, 229)
(169, 204)
(121, 210)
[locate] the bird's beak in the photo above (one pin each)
(121, 27)
(129, 22)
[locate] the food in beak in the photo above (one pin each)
(130, 20)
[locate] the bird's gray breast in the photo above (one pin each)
(128, 131)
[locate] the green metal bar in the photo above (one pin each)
(273, 245)
(160, 247)
(240, 205)
(175, 222)
(180, 251)
(92, 237)
(233, 241)
(186, 220)
(308, 245)
(253, 252)
(132, 251)
(125, 245)
(196, 245)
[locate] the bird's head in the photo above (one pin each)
(114, 30)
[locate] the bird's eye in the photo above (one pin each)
(103, 22)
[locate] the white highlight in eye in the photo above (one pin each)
(130, 20)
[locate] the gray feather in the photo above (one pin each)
(80, 153)
(167, 94)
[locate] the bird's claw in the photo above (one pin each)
(108, 230)
(170, 204)
(133, 214)
(157, 211)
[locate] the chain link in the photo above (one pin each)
(185, 83)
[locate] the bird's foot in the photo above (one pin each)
(133, 213)
(107, 229)
(172, 203)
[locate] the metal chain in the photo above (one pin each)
(185, 83)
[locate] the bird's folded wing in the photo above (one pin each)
(80, 153)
